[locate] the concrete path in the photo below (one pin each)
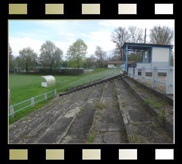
(78, 133)
(108, 120)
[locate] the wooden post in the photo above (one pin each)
(169, 81)
(154, 77)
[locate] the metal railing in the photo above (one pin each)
(34, 100)
(31, 102)
(133, 72)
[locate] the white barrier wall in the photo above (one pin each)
(154, 79)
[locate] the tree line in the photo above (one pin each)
(50, 56)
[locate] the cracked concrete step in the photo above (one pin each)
(23, 130)
(79, 130)
(20, 124)
(141, 126)
(108, 125)
(60, 127)
(163, 110)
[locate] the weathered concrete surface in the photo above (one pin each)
(58, 130)
(39, 121)
(141, 126)
(108, 120)
(162, 109)
(95, 114)
(79, 130)
(22, 129)
(162, 95)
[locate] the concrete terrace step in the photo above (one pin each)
(159, 106)
(55, 132)
(107, 125)
(106, 112)
(79, 130)
(18, 125)
(140, 125)
(23, 130)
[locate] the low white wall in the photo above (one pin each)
(139, 65)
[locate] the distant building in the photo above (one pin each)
(117, 64)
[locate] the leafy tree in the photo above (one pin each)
(100, 55)
(136, 57)
(50, 56)
(11, 57)
(76, 54)
(28, 58)
(64, 63)
(90, 62)
(161, 35)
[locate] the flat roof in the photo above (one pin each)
(143, 45)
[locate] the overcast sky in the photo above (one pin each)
(33, 33)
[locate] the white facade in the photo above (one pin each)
(110, 66)
(160, 54)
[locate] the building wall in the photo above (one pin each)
(160, 57)
(110, 66)
(113, 66)
(160, 54)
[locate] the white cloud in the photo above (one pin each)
(99, 38)
(64, 33)
(18, 43)
(148, 23)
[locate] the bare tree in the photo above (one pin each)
(136, 34)
(119, 37)
(100, 55)
(161, 35)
